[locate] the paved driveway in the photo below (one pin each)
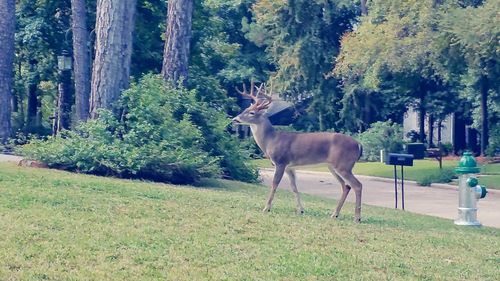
(435, 201)
(10, 158)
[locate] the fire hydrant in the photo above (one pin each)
(468, 191)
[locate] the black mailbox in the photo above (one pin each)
(416, 149)
(399, 159)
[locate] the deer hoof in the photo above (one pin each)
(357, 220)
(266, 210)
(334, 216)
(301, 212)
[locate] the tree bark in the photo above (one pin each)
(422, 113)
(81, 57)
(32, 90)
(484, 113)
(7, 30)
(178, 36)
(364, 10)
(63, 102)
(111, 71)
(431, 130)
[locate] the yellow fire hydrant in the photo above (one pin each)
(469, 191)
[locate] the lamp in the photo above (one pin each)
(64, 61)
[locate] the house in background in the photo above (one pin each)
(453, 130)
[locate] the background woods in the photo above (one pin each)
(343, 65)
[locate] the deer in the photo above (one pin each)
(288, 150)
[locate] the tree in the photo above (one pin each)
(395, 52)
(474, 33)
(113, 49)
(41, 35)
(301, 39)
(178, 36)
(7, 30)
(81, 57)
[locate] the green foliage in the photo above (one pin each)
(394, 59)
(300, 38)
(494, 144)
(443, 176)
(381, 135)
(163, 134)
(251, 149)
(447, 148)
(221, 57)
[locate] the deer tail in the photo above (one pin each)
(360, 150)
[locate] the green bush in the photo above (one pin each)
(447, 148)
(494, 141)
(163, 134)
(381, 135)
(443, 176)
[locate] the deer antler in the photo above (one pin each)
(259, 103)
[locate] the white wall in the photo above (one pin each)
(410, 122)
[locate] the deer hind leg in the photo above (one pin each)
(345, 191)
(358, 188)
(279, 170)
(291, 176)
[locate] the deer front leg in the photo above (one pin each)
(278, 175)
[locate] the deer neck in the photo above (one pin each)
(263, 134)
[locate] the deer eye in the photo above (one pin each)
(251, 113)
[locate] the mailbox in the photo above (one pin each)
(416, 149)
(399, 159)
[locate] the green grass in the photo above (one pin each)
(418, 172)
(491, 169)
(61, 226)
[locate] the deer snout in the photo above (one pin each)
(236, 119)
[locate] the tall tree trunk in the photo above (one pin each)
(111, 71)
(178, 36)
(81, 57)
(7, 30)
(63, 102)
(484, 113)
(431, 130)
(364, 10)
(439, 127)
(32, 89)
(367, 111)
(422, 113)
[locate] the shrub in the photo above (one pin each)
(251, 149)
(443, 176)
(381, 135)
(447, 148)
(163, 134)
(494, 141)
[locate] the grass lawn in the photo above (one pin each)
(61, 226)
(420, 169)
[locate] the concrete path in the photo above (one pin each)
(10, 158)
(441, 201)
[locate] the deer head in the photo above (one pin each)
(255, 113)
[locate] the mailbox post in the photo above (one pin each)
(401, 160)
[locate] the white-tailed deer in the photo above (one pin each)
(287, 150)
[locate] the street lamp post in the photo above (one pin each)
(62, 118)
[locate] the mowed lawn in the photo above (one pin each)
(62, 226)
(490, 174)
